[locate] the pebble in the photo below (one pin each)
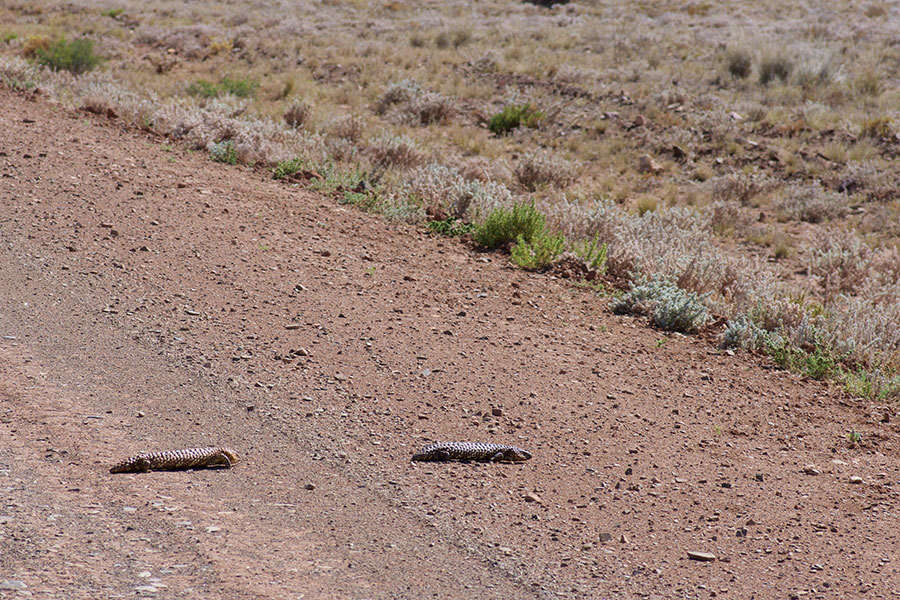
(856, 479)
(145, 589)
(532, 497)
(701, 556)
(212, 529)
(811, 470)
(12, 584)
(605, 536)
(497, 411)
(310, 486)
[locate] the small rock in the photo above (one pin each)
(647, 165)
(193, 313)
(310, 486)
(532, 497)
(340, 377)
(811, 470)
(623, 539)
(140, 414)
(678, 152)
(144, 574)
(758, 476)
(212, 529)
(12, 584)
(605, 536)
(497, 411)
(292, 326)
(701, 556)
(856, 479)
(145, 589)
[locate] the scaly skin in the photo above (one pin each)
(472, 451)
(172, 460)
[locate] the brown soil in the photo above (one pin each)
(152, 300)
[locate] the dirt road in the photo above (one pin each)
(151, 299)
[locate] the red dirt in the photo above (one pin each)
(145, 302)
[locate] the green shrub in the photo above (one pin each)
(113, 12)
(514, 116)
(204, 89)
(539, 253)
(76, 56)
(505, 225)
(592, 252)
(450, 227)
(223, 152)
(286, 168)
(242, 88)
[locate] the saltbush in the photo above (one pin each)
(669, 306)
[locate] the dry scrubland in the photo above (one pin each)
(730, 167)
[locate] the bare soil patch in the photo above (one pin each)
(154, 300)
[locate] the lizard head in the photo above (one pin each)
(231, 454)
(516, 454)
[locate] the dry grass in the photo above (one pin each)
(779, 131)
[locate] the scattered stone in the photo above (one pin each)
(145, 589)
(292, 326)
(647, 165)
(497, 411)
(532, 497)
(605, 536)
(623, 539)
(144, 574)
(13, 584)
(701, 556)
(212, 529)
(310, 486)
(758, 476)
(193, 313)
(678, 152)
(811, 470)
(140, 414)
(856, 479)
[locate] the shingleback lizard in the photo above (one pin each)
(188, 458)
(472, 451)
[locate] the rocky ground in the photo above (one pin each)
(153, 300)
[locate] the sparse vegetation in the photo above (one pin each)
(236, 86)
(539, 253)
(450, 227)
(223, 152)
(788, 140)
